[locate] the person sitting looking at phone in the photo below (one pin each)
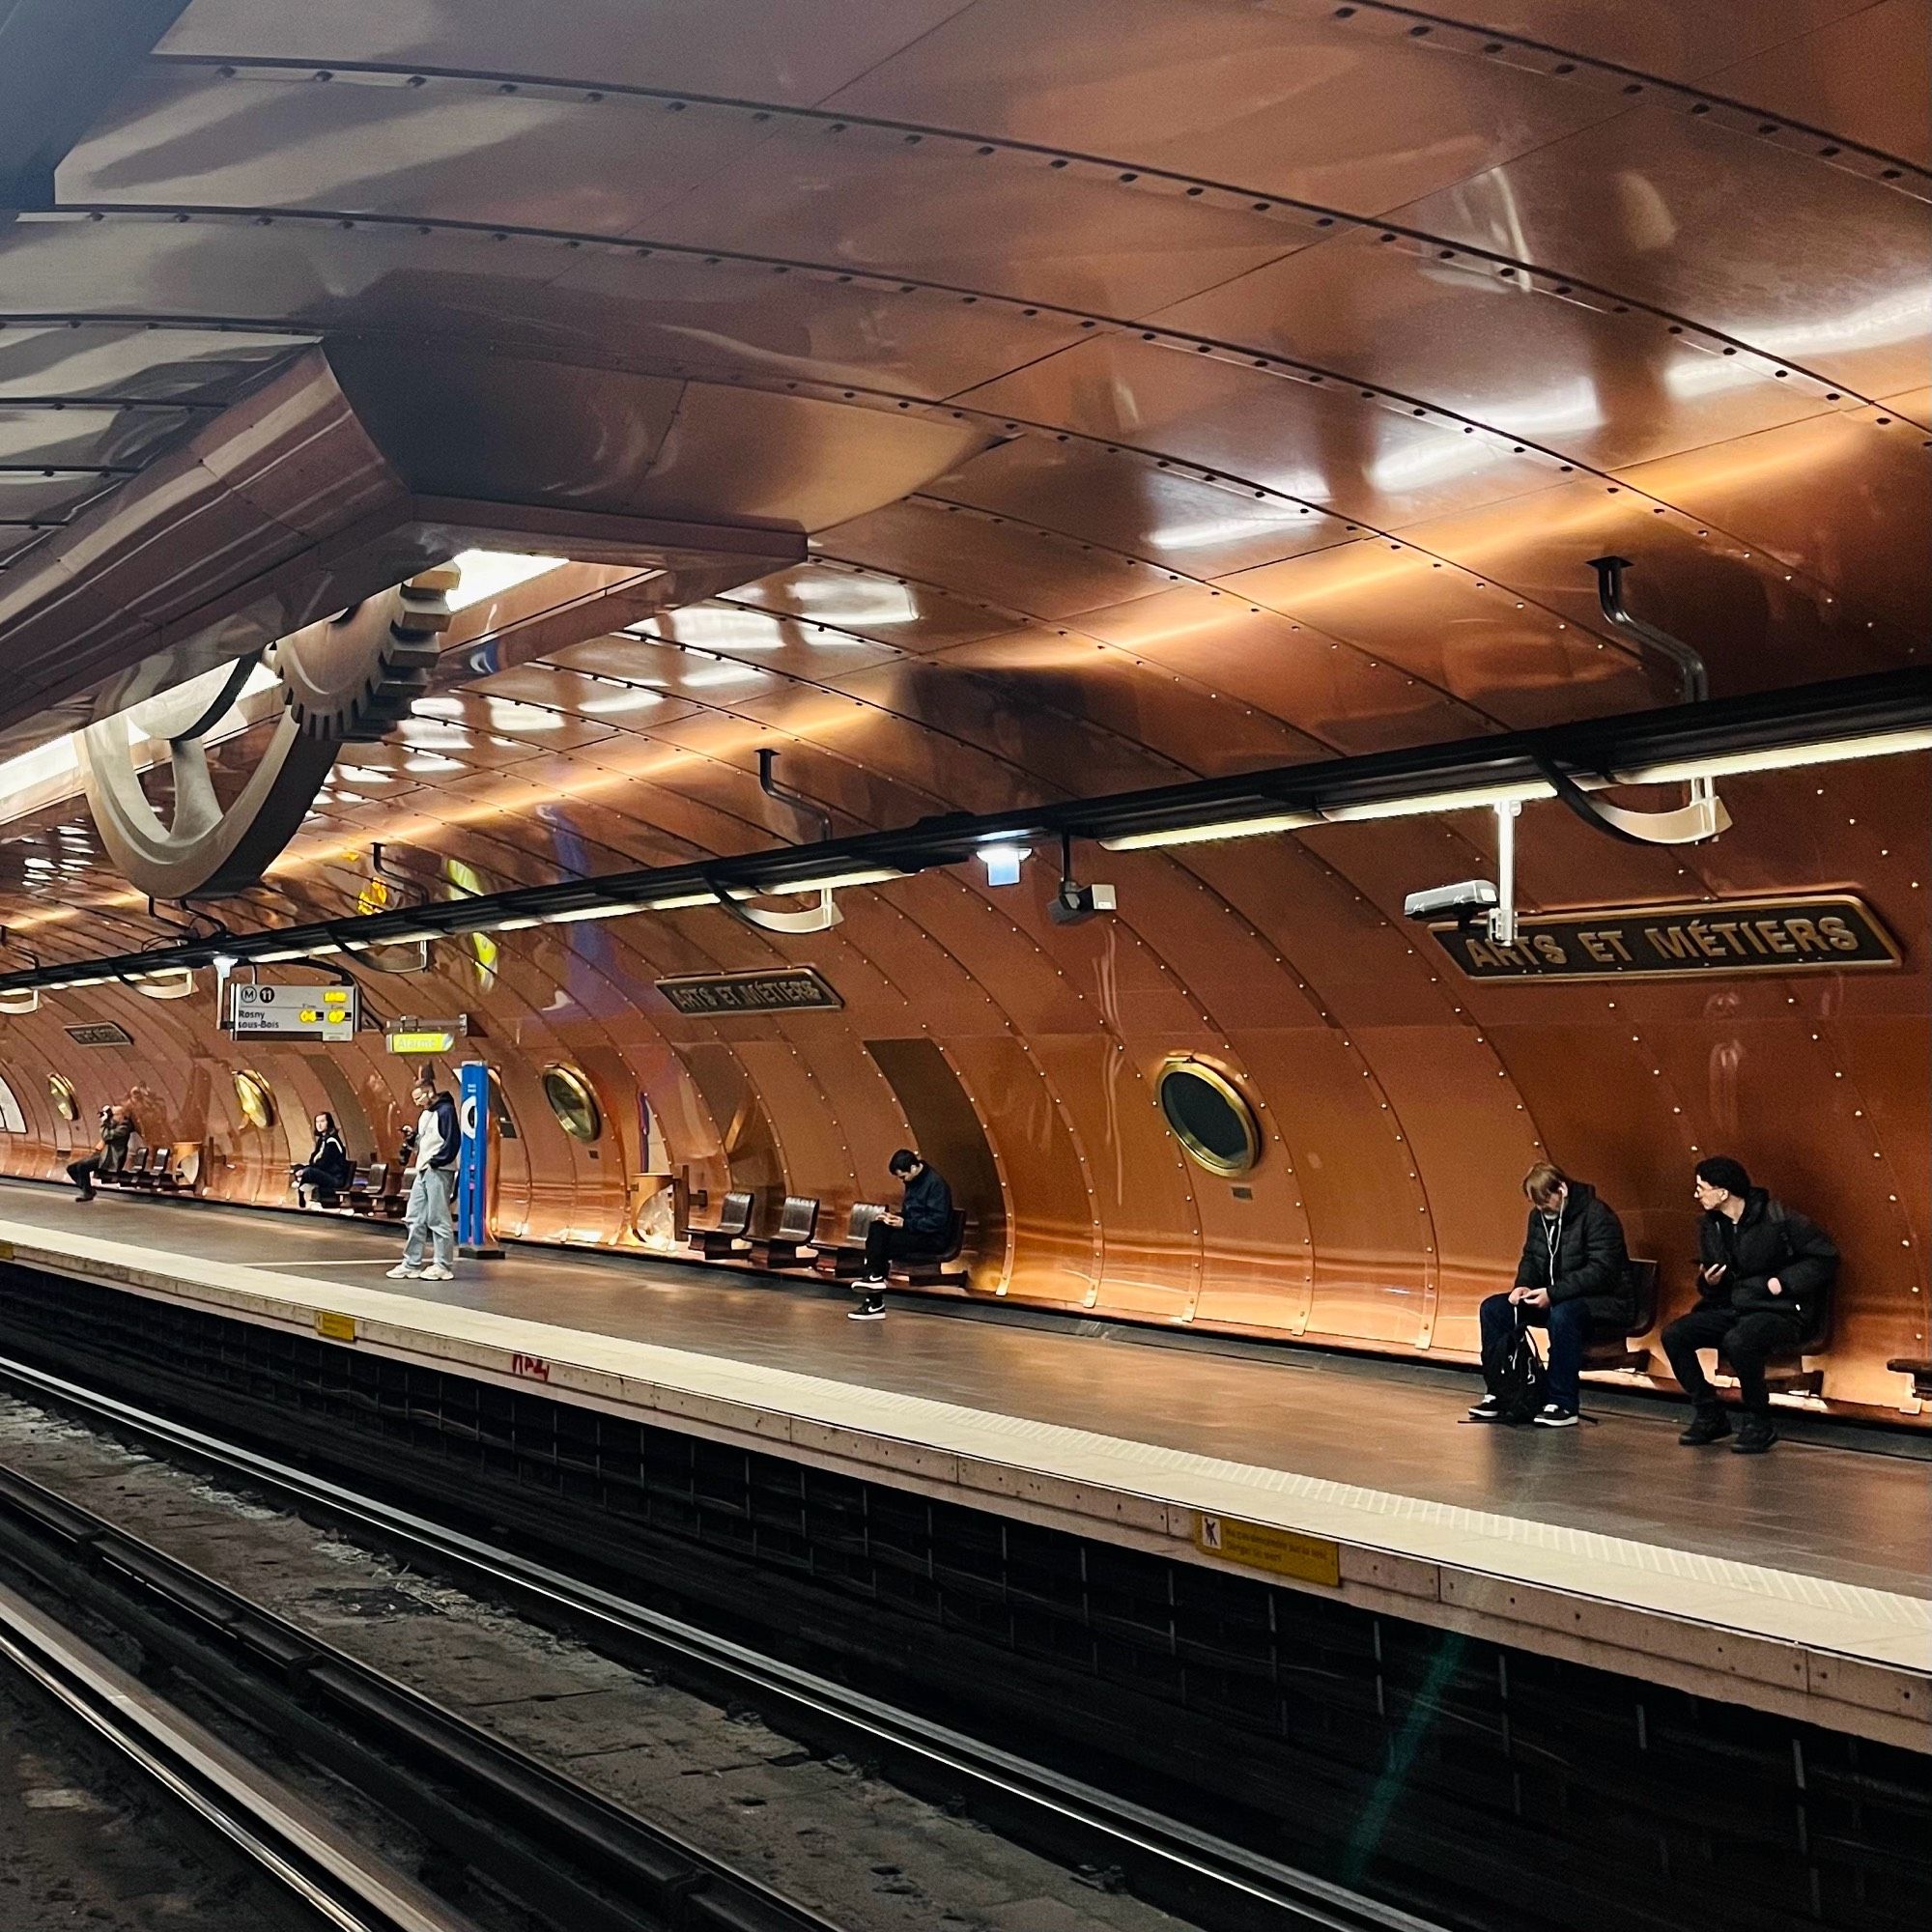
(1572, 1278)
(1762, 1267)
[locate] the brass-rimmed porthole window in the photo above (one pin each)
(573, 1102)
(256, 1100)
(1210, 1116)
(60, 1090)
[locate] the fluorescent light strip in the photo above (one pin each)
(1213, 833)
(1790, 758)
(1475, 798)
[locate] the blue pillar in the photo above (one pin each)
(473, 1163)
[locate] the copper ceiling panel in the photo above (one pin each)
(1606, 390)
(76, 435)
(1025, 569)
(1866, 76)
(1344, 702)
(1507, 659)
(897, 611)
(1122, 502)
(524, 293)
(1840, 501)
(816, 652)
(1659, 37)
(447, 149)
(1186, 721)
(1376, 463)
(773, 49)
(945, 210)
(1812, 266)
(1753, 628)
(1292, 104)
(133, 362)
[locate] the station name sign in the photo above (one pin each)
(106, 1034)
(1712, 938)
(293, 1012)
(790, 989)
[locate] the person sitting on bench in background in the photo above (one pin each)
(1762, 1267)
(1572, 1277)
(327, 1170)
(109, 1155)
(918, 1231)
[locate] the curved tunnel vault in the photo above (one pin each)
(1153, 392)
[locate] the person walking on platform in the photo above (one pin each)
(109, 1153)
(435, 1139)
(1572, 1278)
(918, 1231)
(1763, 1271)
(327, 1170)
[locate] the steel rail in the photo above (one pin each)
(1198, 1862)
(574, 1857)
(346, 1886)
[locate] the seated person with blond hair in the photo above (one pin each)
(1572, 1279)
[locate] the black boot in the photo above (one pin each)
(1708, 1424)
(1755, 1437)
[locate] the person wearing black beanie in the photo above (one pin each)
(1763, 1271)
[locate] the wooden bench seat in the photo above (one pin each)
(1919, 1369)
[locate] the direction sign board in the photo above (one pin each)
(293, 1012)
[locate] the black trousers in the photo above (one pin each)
(1748, 1340)
(324, 1184)
(886, 1245)
(82, 1172)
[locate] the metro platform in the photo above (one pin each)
(1798, 1583)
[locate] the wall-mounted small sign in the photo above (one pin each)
(785, 991)
(1717, 937)
(106, 1033)
(1262, 1546)
(424, 1041)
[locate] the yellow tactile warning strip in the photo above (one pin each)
(1775, 1635)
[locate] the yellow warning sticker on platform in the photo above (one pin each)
(6, 1251)
(333, 1327)
(1260, 1546)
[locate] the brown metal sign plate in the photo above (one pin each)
(1835, 932)
(106, 1034)
(785, 991)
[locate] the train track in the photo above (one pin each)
(472, 1793)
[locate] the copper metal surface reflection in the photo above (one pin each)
(1164, 389)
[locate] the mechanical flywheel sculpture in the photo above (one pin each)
(346, 680)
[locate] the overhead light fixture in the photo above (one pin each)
(1003, 859)
(577, 913)
(1422, 804)
(1788, 759)
(488, 573)
(678, 902)
(872, 875)
(1211, 833)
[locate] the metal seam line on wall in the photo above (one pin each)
(1885, 713)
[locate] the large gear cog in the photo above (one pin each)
(353, 677)
(346, 680)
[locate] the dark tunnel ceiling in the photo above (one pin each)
(1300, 356)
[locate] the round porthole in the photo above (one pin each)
(1209, 1116)
(257, 1102)
(60, 1090)
(573, 1102)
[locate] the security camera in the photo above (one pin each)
(1465, 900)
(1072, 904)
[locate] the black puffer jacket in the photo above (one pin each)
(1588, 1259)
(1769, 1238)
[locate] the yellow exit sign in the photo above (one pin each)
(424, 1041)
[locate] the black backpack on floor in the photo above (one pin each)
(1522, 1386)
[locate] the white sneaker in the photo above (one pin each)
(435, 1271)
(404, 1271)
(1550, 1416)
(870, 1283)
